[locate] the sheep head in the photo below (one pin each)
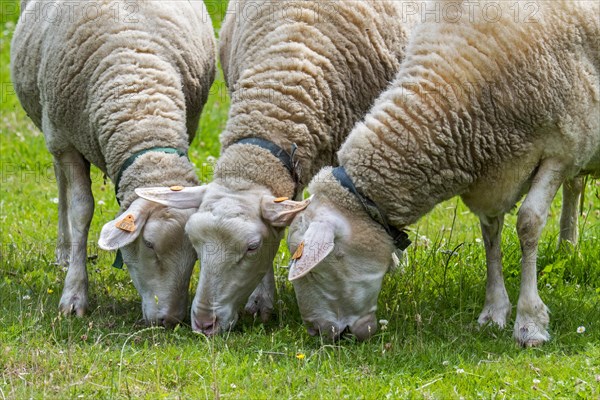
(158, 255)
(236, 234)
(339, 259)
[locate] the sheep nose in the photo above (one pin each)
(207, 326)
(364, 327)
(326, 329)
(169, 322)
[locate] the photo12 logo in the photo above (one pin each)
(471, 11)
(72, 11)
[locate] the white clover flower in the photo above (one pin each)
(460, 371)
(536, 381)
(383, 323)
(581, 329)
(445, 363)
(54, 200)
(27, 297)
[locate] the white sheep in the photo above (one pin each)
(119, 85)
(301, 74)
(489, 109)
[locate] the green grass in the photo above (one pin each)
(432, 347)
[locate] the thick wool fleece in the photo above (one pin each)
(305, 73)
(127, 77)
(477, 105)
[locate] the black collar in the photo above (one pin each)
(287, 159)
(400, 237)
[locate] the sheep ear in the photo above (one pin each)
(281, 211)
(317, 243)
(126, 227)
(174, 196)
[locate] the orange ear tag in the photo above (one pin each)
(176, 188)
(280, 199)
(298, 252)
(127, 224)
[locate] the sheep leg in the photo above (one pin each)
(80, 208)
(63, 245)
(263, 297)
(497, 305)
(572, 190)
(532, 314)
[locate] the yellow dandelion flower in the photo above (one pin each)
(50, 291)
(300, 356)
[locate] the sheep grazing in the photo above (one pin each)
(301, 74)
(489, 109)
(120, 85)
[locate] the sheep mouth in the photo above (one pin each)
(332, 333)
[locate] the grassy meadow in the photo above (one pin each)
(431, 348)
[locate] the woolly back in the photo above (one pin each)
(305, 72)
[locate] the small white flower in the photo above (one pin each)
(54, 200)
(536, 381)
(581, 329)
(101, 202)
(27, 297)
(233, 386)
(445, 363)
(460, 371)
(548, 286)
(477, 240)
(423, 241)
(383, 323)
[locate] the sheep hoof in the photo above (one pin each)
(530, 330)
(495, 314)
(73, 304)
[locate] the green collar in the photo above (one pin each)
(134, 156)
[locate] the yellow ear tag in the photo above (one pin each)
(127, 224)
(280, 199)
(298, 252)
(176, 188)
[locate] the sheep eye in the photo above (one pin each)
(149, 244)
(253, 246)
